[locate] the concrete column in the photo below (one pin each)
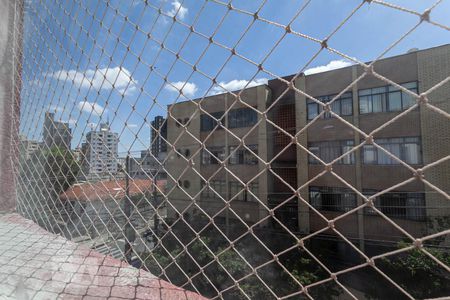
(263, 96)
(10, 85)
(302, 156)
(358, 171)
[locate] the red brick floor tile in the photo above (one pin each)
(127, 292)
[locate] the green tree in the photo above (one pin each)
(60, 169)
(417, 273)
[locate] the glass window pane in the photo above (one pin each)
(233, 156)
(377, 102)
(336, 107)
(410, 85)
(408, 100)
(364, 92)
(369, 154)
(383, 158)
(393, 88)
(313, 110)
(348, 159)
(395, 101)
(314, 148)
(411, 153)
(395, 150)
(379, 90)
(346, 107)
(365, 105)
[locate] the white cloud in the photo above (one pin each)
(189, 88)
(89, 107)
(56, 108)
(129, 125)
(178, 10)
(100, 79)
(235, 85)
(332, 65)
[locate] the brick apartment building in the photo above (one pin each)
(420, 137)
(202, 122)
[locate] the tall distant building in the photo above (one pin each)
(56, 134)
(100, 152)
(28, 147)
(158, 136)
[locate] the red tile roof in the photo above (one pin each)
(91, 191)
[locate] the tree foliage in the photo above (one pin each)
(61, 169)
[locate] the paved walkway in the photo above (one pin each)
(35, 264)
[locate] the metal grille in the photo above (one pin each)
(243, 149)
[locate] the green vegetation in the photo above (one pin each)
(61, 169)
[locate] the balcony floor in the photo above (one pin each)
(36, 264)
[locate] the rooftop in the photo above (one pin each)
(92, 191)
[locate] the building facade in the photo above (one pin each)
(56, 134)
(417, 138)
(147, 166)
(210, 165)
(28, 148)
(158, 138)
(100, 152)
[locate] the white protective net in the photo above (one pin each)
(243, 149)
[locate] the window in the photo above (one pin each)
(332, 198)
(405, 205)
(342, 106)
(242, 117)
(243, 156)
(407, 149)
(214, 156)
(386, 98)
(208, 123)
(330, 150)
(216, 189)
(238, 191)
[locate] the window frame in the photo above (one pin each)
(386, 91)
(323, 149)
(311, 104)
(346, 201)
(385, 143)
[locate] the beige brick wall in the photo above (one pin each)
(433, 67)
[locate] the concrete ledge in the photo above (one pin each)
(36, 264)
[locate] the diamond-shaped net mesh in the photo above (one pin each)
(242, 149)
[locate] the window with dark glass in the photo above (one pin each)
(343, 106)
(332, 198)
(242, 117)
(208, 123)
(213, 156)
(386, 98)
(243, 156)
(216, 189)
(238, 192)
(404, 205)
(407, 149)
(330, 150)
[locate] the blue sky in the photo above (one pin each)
(71, 46)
